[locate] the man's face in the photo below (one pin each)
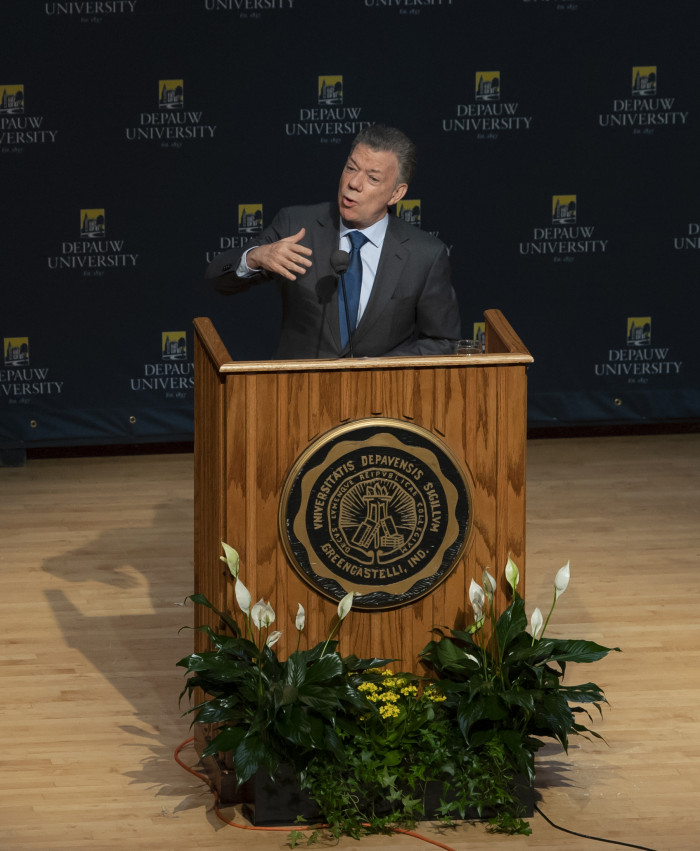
(368, 185)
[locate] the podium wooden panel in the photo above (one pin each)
(253, 420)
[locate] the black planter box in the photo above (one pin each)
(279, 801)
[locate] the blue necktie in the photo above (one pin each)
(353, 286)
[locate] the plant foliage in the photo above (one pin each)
(370, 746)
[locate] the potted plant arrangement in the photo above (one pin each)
(369, 751)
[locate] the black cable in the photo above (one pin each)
(594, 838)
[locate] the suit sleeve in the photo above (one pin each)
(437, 319)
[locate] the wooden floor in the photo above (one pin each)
(96, 560)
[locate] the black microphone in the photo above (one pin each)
(340, 260)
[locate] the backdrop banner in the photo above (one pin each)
(558, 161)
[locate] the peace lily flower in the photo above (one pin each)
(273, 638)
(243, 597)
(512, 574)
(489, 584)
(301, 618)
(231, 558)
(561, 580)
(345, 605)
(262, 614)
(476, 598)
(536, 622)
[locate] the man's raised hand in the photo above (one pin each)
(284, 257)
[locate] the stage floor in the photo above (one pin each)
(96, 561)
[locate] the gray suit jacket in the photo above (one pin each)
(412, 308)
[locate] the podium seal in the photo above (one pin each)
(379, 507)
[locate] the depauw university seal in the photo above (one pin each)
(379, 507)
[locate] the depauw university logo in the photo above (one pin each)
(487, 86)
(479, 332)
(379, 507)
(12, 100)
(563, 209)
(250, 218)
(644, 79)
(16, 351)
(92, 223)
(409, 211)
(639, 330)
(330, 91)
(174, 345)
(170, 94)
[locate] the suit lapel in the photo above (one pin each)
(326, 243)
(391, 263)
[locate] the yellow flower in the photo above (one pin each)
(435, 696)
(389, 697)
(388, 711)
(409, 691)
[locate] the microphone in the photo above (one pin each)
(340, 260)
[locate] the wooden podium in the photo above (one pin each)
(254, 419)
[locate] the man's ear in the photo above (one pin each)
(398, 193)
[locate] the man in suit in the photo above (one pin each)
(406, 305)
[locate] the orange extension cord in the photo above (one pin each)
(223, 818)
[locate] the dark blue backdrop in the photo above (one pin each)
(558, 159)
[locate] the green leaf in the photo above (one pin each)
(248, 757)
(584, 693)
(572, 650)
(469, 712)
(511, 624)
(325, 668)
(323, 700)
(201, 600)
(227, 740)
(286, 695)
(447, 655)
(295, 670)
(493, 709)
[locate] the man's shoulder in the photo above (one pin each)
(404, 231)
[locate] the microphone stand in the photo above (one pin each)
(347, 313)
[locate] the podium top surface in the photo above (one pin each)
(509, 351)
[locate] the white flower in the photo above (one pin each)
(489, 583)
(345, 605)
(536, 622)
(262, 614)
(231, 558)
(301, 618)
(476, 598)
(243, 597)
(512, 574)
(561, 580)
(273, 638)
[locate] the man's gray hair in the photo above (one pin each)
(381, 138)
